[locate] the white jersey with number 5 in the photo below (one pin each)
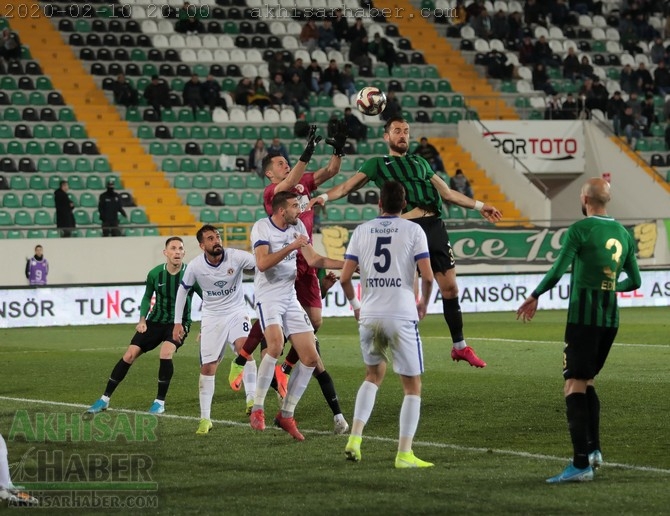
(387, 249)
(222, 292)
(277, 283)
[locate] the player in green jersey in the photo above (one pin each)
(599, 249)
(155, 326)
(425, 193)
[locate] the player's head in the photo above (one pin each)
(396, 134)
(209, 239)
(595, 195)
(38, 251)
(286, 207)
(174, 250)
(275, 167)
(392, 198)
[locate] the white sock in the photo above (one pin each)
(206, 395)
(409, 420)
(5, 481)
(160, 402)
(365, 402)
(266, 372)
(460, 345)
(300, 377)
(104, 398)
(249, 378)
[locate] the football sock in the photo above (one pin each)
(5, 480)
(253, 340)
(409, 420)
(206, 394)
(249, 379)
(578, 423)
(264, 376)
(452, 314)
(594, 418)
(365, 402)
(118, 374)
(296, 387)
(165, 371)
(328, 390)
(290, 361)
(242, 358)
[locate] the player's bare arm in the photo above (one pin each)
(489, 212)
(317, 261)
(426, 286)
(527, 309)
(298, 170)
(142, 325)
(355, 182)
(348, 270)
(265, 259)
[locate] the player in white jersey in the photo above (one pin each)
(388, 250)
(218, 272)
(276, 240)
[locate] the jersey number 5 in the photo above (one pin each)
(383, 264)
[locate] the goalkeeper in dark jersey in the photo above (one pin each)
(155, 326)
(598, 248)
(425, 191)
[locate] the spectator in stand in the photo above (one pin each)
(631, 126)
(189, 20)
(296, 94)
(340, 25)
(243, 91)
(430, 154)
(211, 94)
(256, 156)
(296, 68)
(260, 96)
(331, 77)
(309, 36)
(482, 25)
(662, 79)
(648, 113)
(347, 83)
(666, 110)
(601, 95)
(473, 9)
(157, 94)
(570, 108)
(657, 51)
(64, 210)
(497, 65)
(500, 26)
(355, 128)
(643, 79)
(460, 15)
(277, 65)
(585, 68)
(553, 110)
(124, 93)
(543, 53)
(393, 107)
(192, 94)
(313, 75)
(461, 184)
(277, 148)
(383, 50)
(615, 108)
(109, 207)
(527, 51)
(10, 47)
(357, 31)
(541, 80)
(515, 22)
(560, 14)
(358, 52)
(277, 90)
(533, 14)
(571, 65)
(627, 79)
(327, 37)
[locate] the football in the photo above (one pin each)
(371, 101)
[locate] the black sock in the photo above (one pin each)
(273, 384)
(117, 376)
(165, 370)
(240, 360)
(594, 418)
(451, 309)
(328, 390)
(578, 423)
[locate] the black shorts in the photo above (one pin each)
(586, 349)
(439, 247)
(156, 334)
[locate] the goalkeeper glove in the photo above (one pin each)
(339, 138)
(312, 140)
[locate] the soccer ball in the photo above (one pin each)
(371, 101)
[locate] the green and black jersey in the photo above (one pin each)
(165, 285)
(413, 172)
(598, 248)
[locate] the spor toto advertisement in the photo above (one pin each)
(121, 305)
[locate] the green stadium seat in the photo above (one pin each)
(76, 182)
(431, 72)
(643, 145)
(19, 98)
(8, 83)
(37, 182)
(144, 132)
(521, 102)
(215, 133)
(52, 148)
(228, 148)
(169, 165)
(187, 165)
(210, 149)
(101, 165)
(194, 199)
(456, 212)
(133, 115)
(208, 216)
(64, 165)
(260, 213)
(157, 149)
(152, 231)
(48, 200)
(36, 98)
(83, 165)
(243, 149)
(137, 54)
(185, 115)
(428, 86)
(219, 182)
(249, 199)
(203, 116)
(369, 213)
(132, 232)
(380, 148)
(35, 233)
(73, 199)
(30, 200)
(444, 86)
(11, 200)
(409, 101)
(334, 214)
(206, 165)
(236, 182)
(18, 183)
(15, 147)
(253, 181)
(180, 133)
(34, 148)
(455, 117)
(245, 215)
(182, 181)
(53, 233)
(231, 199)
(5, 218)
(226, 215)
(93, 233)
(94, 182)
(43, 218)
(15, 234)
(88, 200)
(137, 216)
(201, 182)
(351, 214)
(267, 133)
(23, 218)
(439, 117)
(66, 115)
(169, 116)
(6, 131)
(285, 133)
(233, 133)
(11, 114)
(41, 131)
(657, 130)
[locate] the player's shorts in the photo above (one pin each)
(307, 284)
(439, 246)
(399, 337)
(156, 334)
(586, 349)
(288, 314)
(217, 330)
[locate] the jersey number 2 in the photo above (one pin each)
(383, 264)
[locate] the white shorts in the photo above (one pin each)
(289, 315)
(401, 337)
(217, 331)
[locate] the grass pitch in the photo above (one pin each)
(494, 434)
